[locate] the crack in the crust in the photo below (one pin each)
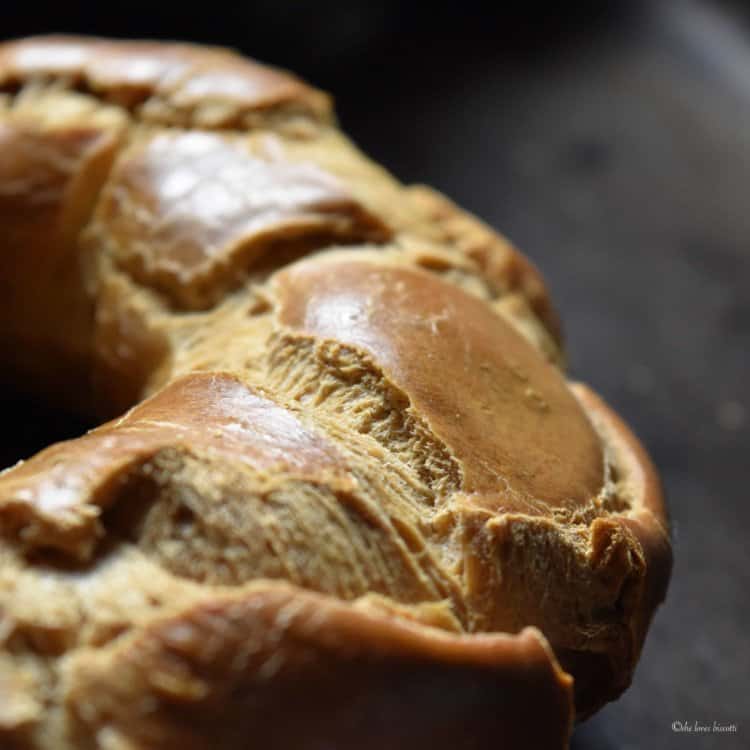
(335, 379)
(249, 268)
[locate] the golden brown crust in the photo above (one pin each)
(345, 672)
(50, 177)
(188, 212)
(54, 500)
(417, 328)
(351, 475)
(175, 84)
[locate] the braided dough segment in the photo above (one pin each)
(346, 671)
(525, 548)
(169, 84)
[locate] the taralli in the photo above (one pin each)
(346, 498)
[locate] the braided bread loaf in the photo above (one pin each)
(347, 498)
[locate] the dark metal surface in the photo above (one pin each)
(615, 150)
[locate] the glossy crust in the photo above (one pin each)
(346, 496)
(317, 671)
(174, 84)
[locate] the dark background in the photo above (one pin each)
(611, 142)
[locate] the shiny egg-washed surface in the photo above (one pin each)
(346, 497)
